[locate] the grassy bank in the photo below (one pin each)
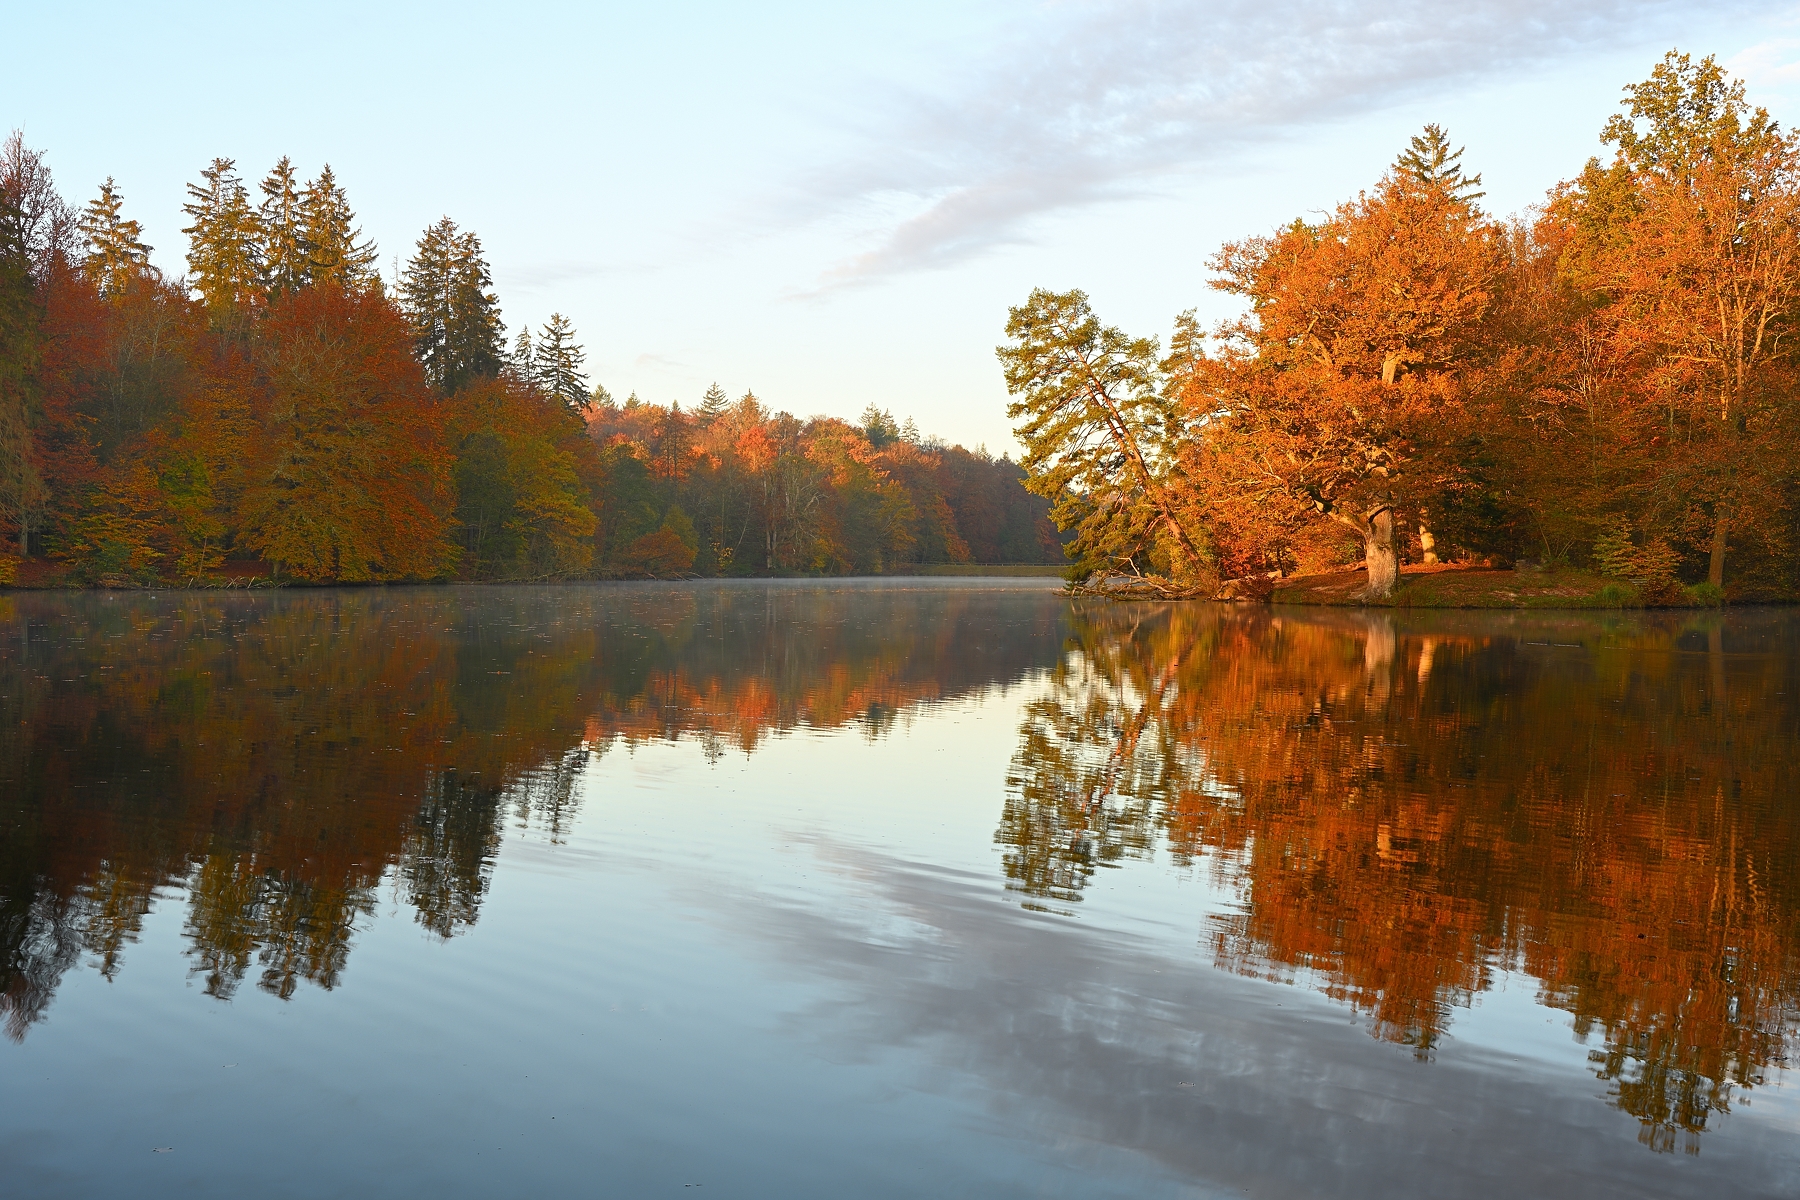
(1447, 586)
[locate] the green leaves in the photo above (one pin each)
(1099, 437)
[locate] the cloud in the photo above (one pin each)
(1771, 66)
(1089, 1036)
(1095, 102)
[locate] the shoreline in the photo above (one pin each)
(1447, 587)
(1454, 586)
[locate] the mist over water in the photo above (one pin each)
(891, 888)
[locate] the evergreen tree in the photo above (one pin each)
(909, 432)
(713, 404)
(114, 252)
(455, 318)
(1097, 438)
(286, 258)
(1430, 161)
(879, 427)
(335, 252)
(558, 364)
(224, 244)
(524, 358)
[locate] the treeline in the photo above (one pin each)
(283, 410)
(1606, 381)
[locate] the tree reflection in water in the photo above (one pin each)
(281, 760)
(1404, 810)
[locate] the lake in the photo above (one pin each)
(891, 888)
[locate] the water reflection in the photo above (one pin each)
(1400, 810)
(1403, 810)
(282, 761)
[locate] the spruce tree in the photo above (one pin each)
(713, 404)
(455, 318)
(335, 252)
(224, 244)
(879, 427)
(558, 365)
(1430, 161)
(523, 360)
(286, 258)
(114, 252)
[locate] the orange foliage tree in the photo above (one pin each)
(349, 476)
(1350, 358)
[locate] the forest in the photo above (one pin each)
(282, 413)
(1605, 382)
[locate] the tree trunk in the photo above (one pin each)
(1380, 555)
(1715, 570)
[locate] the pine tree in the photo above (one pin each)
(1096, 436)
(114, 252)
(1428, 160)
(286, 258)
(558, 367)
(224, 244)
(455, 318)
(334, 249)
(713, 404)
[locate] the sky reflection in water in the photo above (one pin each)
(961, 889)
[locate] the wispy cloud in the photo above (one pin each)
(1092, 102)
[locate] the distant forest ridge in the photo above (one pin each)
(282, 409)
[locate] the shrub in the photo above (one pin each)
(1705, 595)
(1650, 565)
(1616, 595)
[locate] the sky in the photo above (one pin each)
(834, 205)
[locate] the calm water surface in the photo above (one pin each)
(949, 888)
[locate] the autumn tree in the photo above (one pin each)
(1351, 354)
(22, 492)
(1100, 441)
(522, 470)
(37, 248)
(1690, 240)
(351, 480)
